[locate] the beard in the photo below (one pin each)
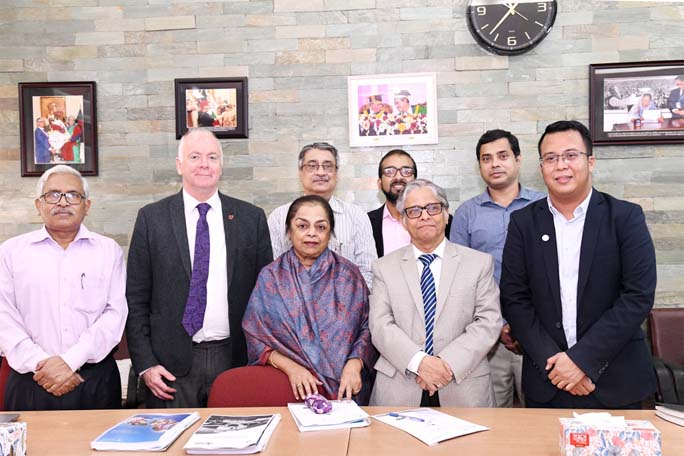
(393, 196)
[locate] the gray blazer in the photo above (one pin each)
(159, 272)
(467, 325)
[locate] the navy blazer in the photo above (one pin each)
(615, 292)
(159, 272)
(375, 217)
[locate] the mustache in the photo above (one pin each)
(62, 210)
(321, 179)
(398, 181)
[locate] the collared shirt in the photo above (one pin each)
(568, 245)
(61, 302)
(215, 326)
(436, 268)
(353, 237)
(482, 224)
(394, 235)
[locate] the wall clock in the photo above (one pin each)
(510, 28)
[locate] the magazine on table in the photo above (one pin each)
(344, 414)
(222, 434)
(428, 425)
(144, 432)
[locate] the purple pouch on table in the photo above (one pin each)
(318, 403)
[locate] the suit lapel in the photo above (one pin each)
(177, 217)
(549, 250)
(450, 264)
(596, 211)
(410, 271)
(229, 216)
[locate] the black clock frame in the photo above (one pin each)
(474, 31)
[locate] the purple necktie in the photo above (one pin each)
(193, 318)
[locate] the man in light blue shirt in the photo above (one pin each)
(481, 223)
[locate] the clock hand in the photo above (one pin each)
(511, 8)
(508, 13)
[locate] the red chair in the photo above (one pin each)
(251, 386)
(4, 373)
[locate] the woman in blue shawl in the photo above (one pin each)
(308, 313)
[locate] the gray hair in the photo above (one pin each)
(320, 146)
(422, 183)
(198, 132)
(60, 169)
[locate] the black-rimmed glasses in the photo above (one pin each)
(72, 198)
(414, 212)
(405, 171)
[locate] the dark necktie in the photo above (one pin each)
(193, 318)
(427, 288)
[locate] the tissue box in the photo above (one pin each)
(12, 439)
(577, 438)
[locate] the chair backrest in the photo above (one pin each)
(4, 373)
(251, 386)
(667, 334)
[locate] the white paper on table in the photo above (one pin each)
(344, 414)
(430, 426)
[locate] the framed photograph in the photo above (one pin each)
(219, 104)
(637, 102)
(392, 109)
(57, 125)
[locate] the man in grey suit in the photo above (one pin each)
(192, 263)
(434, 312)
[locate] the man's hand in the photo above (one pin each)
(433, 373)
(154, 379)
(509, 342)
(565, 373)
(68, 386)
(583, 388)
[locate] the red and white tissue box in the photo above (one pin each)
(581, 437)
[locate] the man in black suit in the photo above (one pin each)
(578, 279)
(676, 99)
(185, 310)
(396, 169)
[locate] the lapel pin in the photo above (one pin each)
(545, 237)
(231, 216)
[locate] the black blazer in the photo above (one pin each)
(159, 272)
(615, 292)
(375, 217)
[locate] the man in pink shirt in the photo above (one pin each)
(62, 305)
(396, 169)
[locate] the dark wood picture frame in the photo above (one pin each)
(634, 103)
(219, 104)
(58, 125)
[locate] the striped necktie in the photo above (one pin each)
(427, 289)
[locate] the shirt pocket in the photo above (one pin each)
(90, 293)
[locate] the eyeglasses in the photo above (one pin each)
(55, 197)
(568, 157)
(312, 167)
(414, 212)
(405, 171)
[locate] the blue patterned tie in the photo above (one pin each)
(427, 289)
(193, 318)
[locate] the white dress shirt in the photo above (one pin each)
(568, 245)
(436, 268)
(215, 325)
(353, 237)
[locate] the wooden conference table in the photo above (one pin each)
(526, 432)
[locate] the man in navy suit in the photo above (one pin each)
(578, 279)
(177, 347)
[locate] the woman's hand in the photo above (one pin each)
(301, 379)
(350, 382)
